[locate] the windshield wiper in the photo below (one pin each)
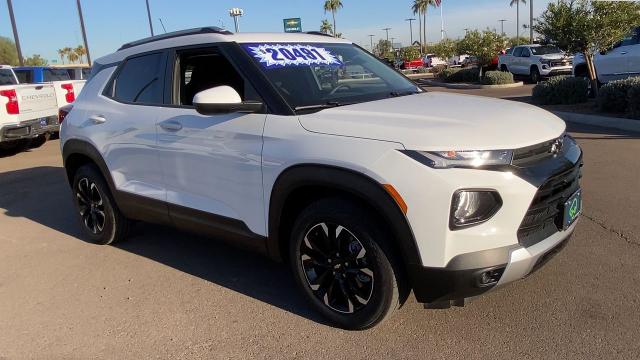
(402, 93)
(328, 104)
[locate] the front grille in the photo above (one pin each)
(533, 153)
(544, 217)
(560, 63)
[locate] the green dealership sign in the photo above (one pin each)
(292, 25)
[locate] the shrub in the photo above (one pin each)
(423, 70)
(633, 101)
(497, 78)
(457, 75)
(561, 90)
(612, 96)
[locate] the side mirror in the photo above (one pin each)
(222, 100)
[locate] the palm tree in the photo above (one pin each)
(517, 3)
(325, 27)
(333, 6)
(80, 51)
(67, 50)
(72, 56)
(417, 9)
(61, 53)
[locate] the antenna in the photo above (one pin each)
(161, 23)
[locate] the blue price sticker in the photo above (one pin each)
(280, 55)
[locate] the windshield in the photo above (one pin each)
(314, 75)
(545, 50)
(7, 78)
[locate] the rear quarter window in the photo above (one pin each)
(24, 76)
(6, 77)
(55, 75)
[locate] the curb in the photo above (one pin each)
(471, 86)
(419, 76)
(601, 121)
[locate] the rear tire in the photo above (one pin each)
(100, 219)
(503, 68)
(343, 264)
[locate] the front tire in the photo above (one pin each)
(342, 262)
(100, 219)
(535, 75)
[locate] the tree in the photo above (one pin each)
(383, 48)
(587, 26)
(514, 41)
(483, 45)
(410, 53)
(80, 51)
(36, 60)
(517, 3)
(72, 56)
(419, 7)
(67, 51)
(61, 53)
(333, 6)
(445, 49)
(325, 27)
(8, 52)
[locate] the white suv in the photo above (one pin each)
(368, 187)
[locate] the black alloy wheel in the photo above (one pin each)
(91, 206)
(336, 267)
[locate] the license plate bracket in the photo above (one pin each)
(572, 209)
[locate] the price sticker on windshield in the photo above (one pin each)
(280, 55)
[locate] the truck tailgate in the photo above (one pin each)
(36, 101)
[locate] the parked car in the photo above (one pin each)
(28, 113)
(364, 193)
(622, 61)
(66, 88)
(536, 61)
(412, 64)
(76, 72)
(431, 60)
(470, 61)
(458, 60)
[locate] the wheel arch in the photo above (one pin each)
(299, 185)
(76, 153)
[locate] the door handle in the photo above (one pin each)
(171, 125)
(97, 119)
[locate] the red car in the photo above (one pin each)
(413, 64)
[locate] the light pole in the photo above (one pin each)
(84, 32)
(387, 30)
(502, 25)
(530, 21)
(371, 39)
(235, 13)
(392, 42)
(411, 20)
(15, 33)
(149, 17)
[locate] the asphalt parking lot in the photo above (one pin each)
(167, 294)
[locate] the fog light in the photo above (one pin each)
(471, 207)
(490, 277)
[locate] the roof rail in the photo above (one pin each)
(318, 33)
(194, 31)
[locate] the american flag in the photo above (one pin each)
(438, 2)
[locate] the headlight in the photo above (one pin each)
(453, 159)
(470, 207)
(546, 62)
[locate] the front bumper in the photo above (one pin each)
(29, 129)
(462, 277)
(553, 71)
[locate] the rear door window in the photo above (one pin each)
(6, 77)
(55, 75)
(517, 52)
(140, 80)
(24, 76)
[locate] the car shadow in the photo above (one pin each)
(42, 195)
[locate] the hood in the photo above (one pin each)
(440, 121)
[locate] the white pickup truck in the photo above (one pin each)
(28, 112)
(536, 61)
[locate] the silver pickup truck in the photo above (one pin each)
(536, 61)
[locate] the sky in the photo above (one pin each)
(47, 25)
